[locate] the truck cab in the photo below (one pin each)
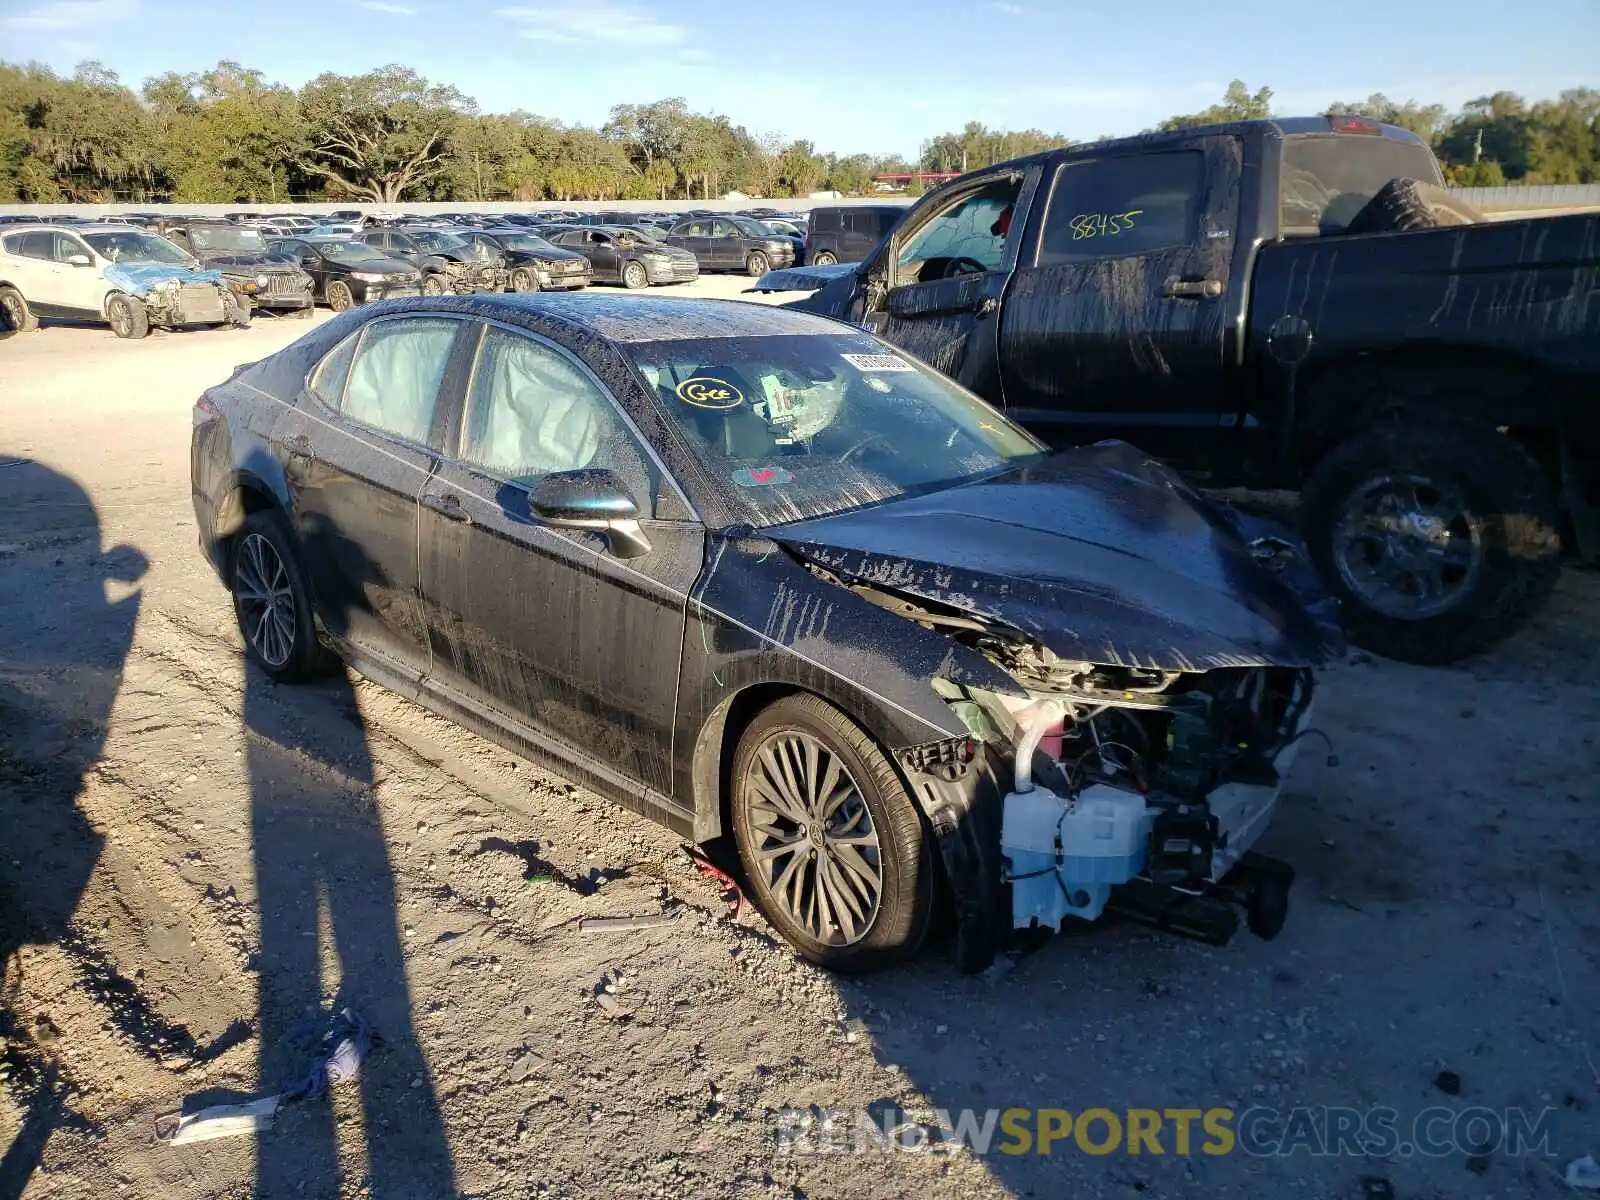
(1295, 304)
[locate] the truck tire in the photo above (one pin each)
(1396, 207)
(1438, 536)
(127, 317)
(15, 315)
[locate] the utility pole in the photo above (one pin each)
(1477, 146)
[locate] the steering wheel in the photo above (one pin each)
(862, 444)
(964, 266)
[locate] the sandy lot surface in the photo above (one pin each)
(189, 855)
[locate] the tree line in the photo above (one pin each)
(230, 135)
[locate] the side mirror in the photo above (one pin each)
(80, 260)
(591, 499)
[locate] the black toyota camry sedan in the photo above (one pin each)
(750, 571)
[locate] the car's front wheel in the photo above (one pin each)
(524, 280)
(127, 317)
(433, 285)
(273, 603)
(823, 258)
(634, 275)
(756, 265)
(834, 850)
(340, 298)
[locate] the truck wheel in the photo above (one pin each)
(756, 265)
(1396, 207)
(128, 317)
(823, 258)
(834, 850)
(1439, 537)
(15, 313)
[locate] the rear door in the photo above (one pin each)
(727, 249)
(936, 284)
(358, 449)
(32, 270)
(1114, 321)
(543, 623)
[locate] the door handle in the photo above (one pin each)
(986, 306)
(447, 506)
(1191, 289)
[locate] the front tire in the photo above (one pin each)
(272, 602)
(127, 317)
(433, 285)
(634, 276)
(1439, 537)
(524, 280)
(340, 298)
(14, 310)
(824, 258)
(756, 265)
(835, 852)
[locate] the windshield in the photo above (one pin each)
(803, 425)
(129, 246)
(231, 239)
(750, 228)
(349, 252)
(1328, 178)
(526, 242)
(441, 241)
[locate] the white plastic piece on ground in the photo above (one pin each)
(1066, 855)
(225, 1120)
(1583, 1173)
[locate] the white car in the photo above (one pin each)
(126, 277)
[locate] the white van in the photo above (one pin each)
(126, 277)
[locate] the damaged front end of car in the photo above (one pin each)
(1164, 679)
(175, 297)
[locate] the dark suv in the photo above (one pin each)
(848, 232)
(732, 244)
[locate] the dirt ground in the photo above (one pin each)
(189, 855)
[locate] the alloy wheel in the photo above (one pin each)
(1408, 547)
(814, 838)
(265, 598)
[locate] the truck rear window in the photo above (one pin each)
(1328, 178)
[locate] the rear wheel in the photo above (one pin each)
(634, 275)
(834, 850)
(340, 298)
(127, 317)
(18, 317)
(524, 280)
(273, 603)
(1440, 537)
(824, 258)
(756, 265)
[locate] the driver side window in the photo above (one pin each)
(532, 411)
(975, 228)
(66, 247)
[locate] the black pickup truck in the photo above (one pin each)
(1283, 304)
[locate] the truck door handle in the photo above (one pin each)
(447, 506)
(1191, 289)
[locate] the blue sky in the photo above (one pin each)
(853, 75)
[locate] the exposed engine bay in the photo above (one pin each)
(1134, 789)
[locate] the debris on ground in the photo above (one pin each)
(730, 888)
(623, 924)
(1583, 1173)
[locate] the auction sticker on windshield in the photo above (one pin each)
(762, 476)
(877, 362)
(705, 392)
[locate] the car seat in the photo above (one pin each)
(737, 432)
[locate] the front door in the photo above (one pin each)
(935, 287)
(727, 253)
(546, 624)
(358, 449)
(603, 253)
(82, 284)
(1114, 321)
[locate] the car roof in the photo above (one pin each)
(631, 319)
(59, 227)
